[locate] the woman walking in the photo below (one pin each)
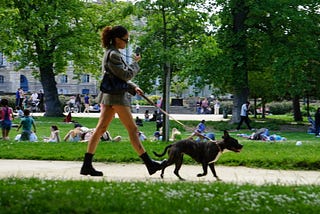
(113, 39)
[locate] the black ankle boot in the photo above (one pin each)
(87, 168)
(151, 165)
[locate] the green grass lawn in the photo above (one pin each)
(271, 155)
(56, 196)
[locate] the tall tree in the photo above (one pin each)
(173, 30)
(286, 33)
(232, 39)
(276, 38)
(46, 34)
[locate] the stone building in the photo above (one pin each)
(11, 80)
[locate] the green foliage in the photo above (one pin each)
(280, 49)
(175, 35)
(47, 35)
(178, 87)
(227, 106)
(280, 107)
(154, 98)
(11, 99)
(64, 31)
(312, 109)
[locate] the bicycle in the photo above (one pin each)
(71, 108)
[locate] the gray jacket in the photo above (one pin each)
(122, 70)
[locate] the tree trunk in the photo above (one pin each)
(255, 107)
(238, 100)
(239, 54)
(47, 78)
(263, 109)
(308, 105)
(166, 84)
(52, 103)
(296, 109)
(166, 100)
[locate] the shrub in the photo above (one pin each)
(227, 106)
(11, 99)
(280, 107)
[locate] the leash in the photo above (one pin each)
(163, 111)
(184, 126)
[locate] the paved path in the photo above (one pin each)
(196, 117)
(137, 172)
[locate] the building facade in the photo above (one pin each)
(11, 80)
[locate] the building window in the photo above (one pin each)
(85, 78)
(24, 83)
(85, 91)
(63, 79)
(62, 91)
(1, 79)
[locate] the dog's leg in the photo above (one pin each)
(178, 161)
(205, 170)
(164, 165)
(211, 165)
(167, 163)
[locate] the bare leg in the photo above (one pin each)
(127, 120)
(6, 134)
(107, 114)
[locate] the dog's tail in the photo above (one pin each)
(163, 153)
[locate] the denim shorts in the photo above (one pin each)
(6, 124)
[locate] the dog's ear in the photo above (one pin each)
(225, 134)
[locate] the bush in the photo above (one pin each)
(280, 107)
(227, 105)
(154, 98)
(11, 99)
(63, 100)
(312, 109)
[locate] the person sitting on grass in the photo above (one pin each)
(158, 135)
(74, 135)
(200, 129)
(87, 133)
(19, 112)
(175, 135)
(27, 123)
(146, 116)
(54, 136)
(142, 136)
(139, 121)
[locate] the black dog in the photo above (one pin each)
(205, 153)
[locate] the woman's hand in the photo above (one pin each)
(139, 91)
(137, 58)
